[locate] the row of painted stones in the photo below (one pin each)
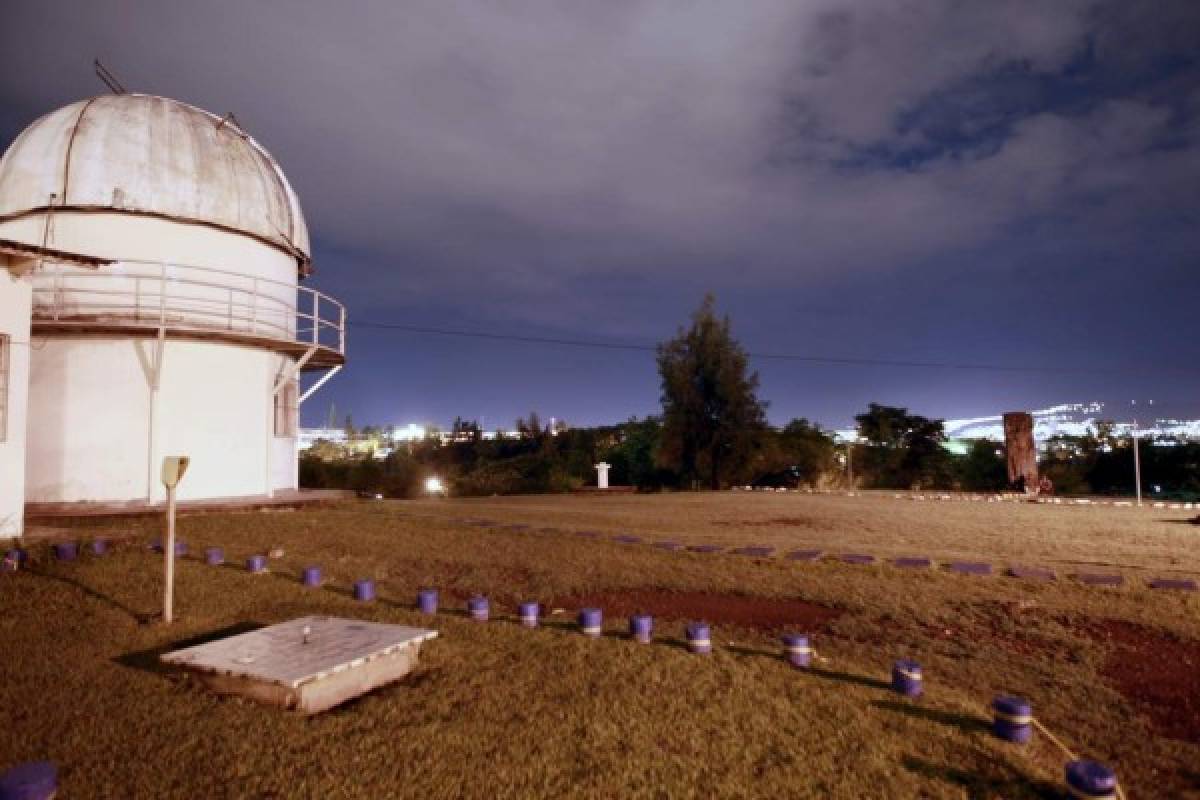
(1006, 497)
(68, 551)
(1012, 717)
(913, 562)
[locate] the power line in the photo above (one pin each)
(798, 357)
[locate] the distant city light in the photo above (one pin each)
(409, 433)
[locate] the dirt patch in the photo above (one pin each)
(746, 611)
(1157, 672)
(794, 522)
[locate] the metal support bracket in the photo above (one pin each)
(289, 374)
(320, 383)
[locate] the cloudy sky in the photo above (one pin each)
(967, 183)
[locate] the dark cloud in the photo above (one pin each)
(1002, 181)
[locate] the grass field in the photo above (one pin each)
(495, 710)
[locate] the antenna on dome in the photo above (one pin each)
(231, 117)
(110, 80)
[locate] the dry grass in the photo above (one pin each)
(499, 711)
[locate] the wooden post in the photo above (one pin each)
(1021, 449)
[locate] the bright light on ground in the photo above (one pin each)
(433, 485)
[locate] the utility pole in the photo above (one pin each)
(1137, 459)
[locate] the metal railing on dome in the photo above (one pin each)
(188, 298)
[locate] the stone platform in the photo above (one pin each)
(310, 664)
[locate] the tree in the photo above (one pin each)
(531, 426)
(712, 420)
(903, 450)
(808, 448)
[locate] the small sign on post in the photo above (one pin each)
(172, 473)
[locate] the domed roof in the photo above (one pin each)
(142, 154)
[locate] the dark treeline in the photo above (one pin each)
(895, 450)
(712, 433)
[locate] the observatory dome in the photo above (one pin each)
(145, 155)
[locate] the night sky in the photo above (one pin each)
(969, 183)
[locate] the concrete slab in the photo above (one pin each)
(281, 499)
(338, 659)
(805, 555)
(668, 545)
(1031, 573)
(913, 562)
(705, 548)
(627, 539)
(857, 558)
(1096, 579)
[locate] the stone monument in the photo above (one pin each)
(1021, 449)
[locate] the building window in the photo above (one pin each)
(5, 368)
(287, 410)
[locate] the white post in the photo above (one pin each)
(173, 468)
(169, 557)
(602, 475)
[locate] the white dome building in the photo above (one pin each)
(150, 254)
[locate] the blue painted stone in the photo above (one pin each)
(913, 563)
(699, 638)
(668, 545)
(427, 601)
(181, 547)
(478, 607)
(970, 567)
(627, 539)
(14, 559)
(1091, 780)
(858, 558)
(758, 552)
(1031, 573)
(641, 628)
(591, 621)
(36, 780)
(705, 548)
(364, 590)
(529, 612)
(1097, 579)
(907, 678)
(99, 547)
(214, 556)
(256, 564)
(311, 577)
(797, 650)
(1182, 584)
(66, 551)
(805, 555)
(1012, 719)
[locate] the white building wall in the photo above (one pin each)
(92, 436)
(95, 433)
(14, 323)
